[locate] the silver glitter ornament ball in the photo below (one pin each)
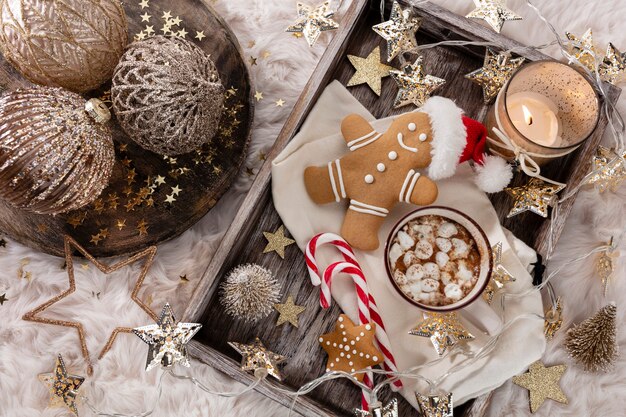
(56, 149)
(167, 95)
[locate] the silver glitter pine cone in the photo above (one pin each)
(167, 95)
(54, 156)
(73, 44)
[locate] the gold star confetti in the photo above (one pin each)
(146, 17)
(166, 30)
(398, 31)
(256, 356)
(553, 319)
(182, 33)
(76, 219)
(167, 340)
(85, 267)
(160, 180)
(252, 61)
(415, 87)
(499, 274)
(95, 239)
(288, 312)
(444, 330)
(170, 199)
(258, 96)
(123, 147)
(104, 233)
(265, 54)
(297, 35)
(166, 16)
(435, 405)
(176, 21)
(613, 66)
(583, 49)
(496, 71)
(277, 242)
(142, 227)
(262, 156)
(200, 35)
(176, 190)
(149, 30)
(3, 298)
(542, 383)
(126, 162)
(611, 171)
(232, 91)
(140, 36)
(251, 44)
(494, 12)
(369, 70)
(113, 201)
(536, 196)
(62, 386)
(120, 224)
(378, 410)
(144, 3)
(280, 102)
(312, 21)
(183, 279)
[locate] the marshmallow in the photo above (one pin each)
(447, 230)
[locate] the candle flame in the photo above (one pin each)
(528, 117)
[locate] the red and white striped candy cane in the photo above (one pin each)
(367, 308)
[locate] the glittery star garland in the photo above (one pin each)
(63, 387)
(613, 66)
(379, 410)
(256, 356)
(443, 329)
(499, 274)
(583, 49)
(398, 31)
(609, 170)
(435, 405)
(494, 12)
(415, 86)
(312, 21)
(536, 196)
(553, 319)
(496, 71)
(167, 340)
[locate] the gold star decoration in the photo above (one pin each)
(378, 410)
(258, 96)
(444, 330)
(611, 170)
(536, 196)
(415, 86)
(369, 71)
(170, 198)
(144, 3)
(146, 17)
(142, 227)
(583, 49)
(288, 312)
(256, 356)
(167, 340)
(200, 35)
(277, 242)
(542, 383)
(605, 265)
(613, 66)
(183, 279)
(3, 299)
(435, 405)
(182, 33)
(166, 16)
(149, 30)
(499, 274)
(280, 102)
(398, 31)
(553, 319)
(63, 387)
(312, 21)
(494, 12)
(496, 71)
(69, 245)
(253, 61)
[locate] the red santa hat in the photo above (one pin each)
(456, 139)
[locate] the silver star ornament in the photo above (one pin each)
(435, 405)
(378, 410)
(415, 86)
(494, 12)
(167, 340)
(398, 31)
(312, 21)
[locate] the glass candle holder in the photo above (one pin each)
(548, 109)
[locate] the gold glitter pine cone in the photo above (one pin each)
(167, 95)
(73, 44)
(54, 156)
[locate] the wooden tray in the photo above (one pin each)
(244, 241)
(132, 213)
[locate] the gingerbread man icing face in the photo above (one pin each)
(380, 171)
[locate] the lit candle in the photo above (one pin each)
(536, 117)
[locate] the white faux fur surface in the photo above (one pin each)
(120, 384)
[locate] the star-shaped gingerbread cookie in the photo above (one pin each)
(350, 347)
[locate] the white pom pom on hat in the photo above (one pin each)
(456, 139)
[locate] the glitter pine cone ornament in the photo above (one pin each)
(167, 95)
(250, 292)
(73, 44)
(56, 149)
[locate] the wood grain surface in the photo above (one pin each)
(202, 176)
(244, 241)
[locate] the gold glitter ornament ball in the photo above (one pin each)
(167, 95)
(56, 149)
(73, 44)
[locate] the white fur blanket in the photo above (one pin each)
(120, 383)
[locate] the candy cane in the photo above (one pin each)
(368, 310)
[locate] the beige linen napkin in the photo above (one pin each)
(318, 142)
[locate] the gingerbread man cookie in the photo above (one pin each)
(384, 169)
